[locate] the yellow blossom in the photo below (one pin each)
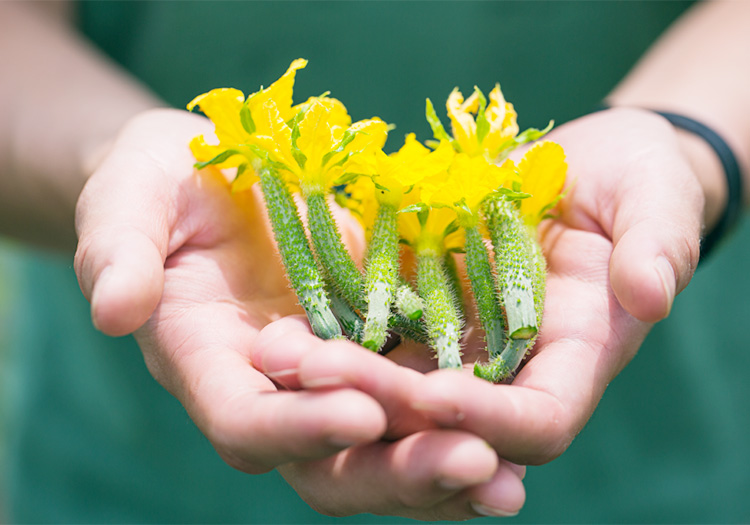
(542, 171)
(480, 129)
(400, 171)
(394, 179)
(224, 106)
(468, 181)
(314, 154)
(436, 232)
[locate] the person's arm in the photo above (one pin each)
(698, 70)
(61, 103)
(172, 255)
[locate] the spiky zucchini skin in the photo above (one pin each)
(515, 269)
(442, 315)
(521, 275)
(344, 275)
(297, 256)
(381, 277)
(407, 302)
(484, 289)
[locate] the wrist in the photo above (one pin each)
(709, 172)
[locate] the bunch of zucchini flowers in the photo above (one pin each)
(458, 193)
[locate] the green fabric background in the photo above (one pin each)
(93, 438)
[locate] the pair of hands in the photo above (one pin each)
(175, 257)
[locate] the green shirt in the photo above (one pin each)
(93, 438)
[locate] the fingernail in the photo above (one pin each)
(484, 510)
(96, 293)
(441, 413)
(668, 280)
(324, 382)
(283, 374)
(520, 470)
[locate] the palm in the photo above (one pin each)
(224, 282)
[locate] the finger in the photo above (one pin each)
(522, 425)
(422, 476)
(252, 426)
(635, 187)
(124, 217)
(120, 270)
(656, 245)
(535, 419)
(503, 495)
(656, 224)
(279, 347)
(292, 356)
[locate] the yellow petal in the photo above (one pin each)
(542, 171)
(339, 117)
(410, 166)
(470, 180)
(315, 141)
(274, 136)
(369, 163)
(280, 91)
(245, 181)
(408, 223)
(420, 163)
(462, 119)
(371, 135)
(438, 220)
(223, 106)
(503, 122)
(203, 152)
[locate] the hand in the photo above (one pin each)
(625, 243)
(173, 255)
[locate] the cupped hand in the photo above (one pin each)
(174, 256)
(625, 242)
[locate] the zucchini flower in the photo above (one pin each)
(469, 182)
(512, 219)
(392, 177)
(235, 127)
(246, 130)
(433, 234)
(322, 143)
(481, 129)
(313, 152)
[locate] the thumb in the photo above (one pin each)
(124, 218)
(120, 271)
(656, 242)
